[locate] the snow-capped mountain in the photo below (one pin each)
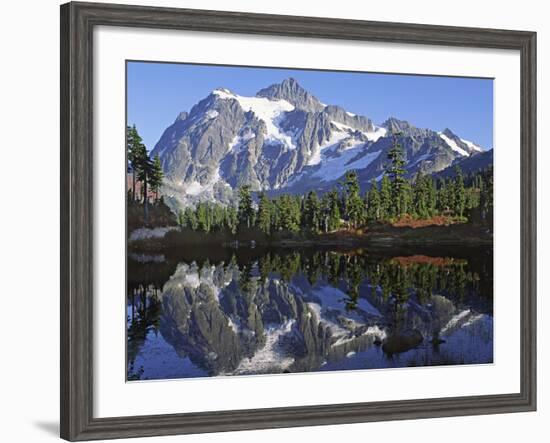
(285, 140)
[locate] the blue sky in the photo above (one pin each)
(158, 92)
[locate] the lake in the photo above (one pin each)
(203, 312)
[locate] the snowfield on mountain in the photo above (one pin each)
(285, 140)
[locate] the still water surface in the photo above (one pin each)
(200, 313)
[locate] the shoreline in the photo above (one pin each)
(380, 236)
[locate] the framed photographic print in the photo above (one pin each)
(273, 221)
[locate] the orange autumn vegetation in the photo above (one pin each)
(408, 221)
(424, 259)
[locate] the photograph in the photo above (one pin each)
(275, 221)
(286, 221)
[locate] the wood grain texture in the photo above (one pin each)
(77, 24)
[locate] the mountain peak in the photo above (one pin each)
(291, 81)
(449, 133)
(222, 92)
(393, 124)
(291, 91)
(465, 145)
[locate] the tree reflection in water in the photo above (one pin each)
(272, 311)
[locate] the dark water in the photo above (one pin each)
(212, 312)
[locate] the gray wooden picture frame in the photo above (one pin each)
(77, 24)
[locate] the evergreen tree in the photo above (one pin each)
(297, 205)
(421, 197)
(355, 208)
(432, 195)
(374, 209)
(145, 172)
(325, 212)
(264, 214)
(311, 220)
(190, 219)
(157, 176)
(284, 213)
(386, 201)
(444, 198)
(405, 198)
(486, 197)
(276, 215)
(218, 217)
(396, 171)
(459, 197)
(246, 210)
(289, 209)
(203, 221)
(231, 219)
(334, 220)
(135, 151)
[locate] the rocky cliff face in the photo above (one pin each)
(285, 139)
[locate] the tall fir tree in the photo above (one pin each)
(135, 152)
(190, 219)
(373, 202)
(157, 176)
(289, 208)
(421, 197)
(231, 219)
(246, 210)
(432, 195)
(264, 214)
(334, 220)
(443, 196)
(145, 172)
(311, 221)
(203, 220)
(355, 208)
(396, 171)
(459, 193)
(405, 198)
(486, 198)
(386, 201)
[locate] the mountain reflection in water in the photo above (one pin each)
(262, 311)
